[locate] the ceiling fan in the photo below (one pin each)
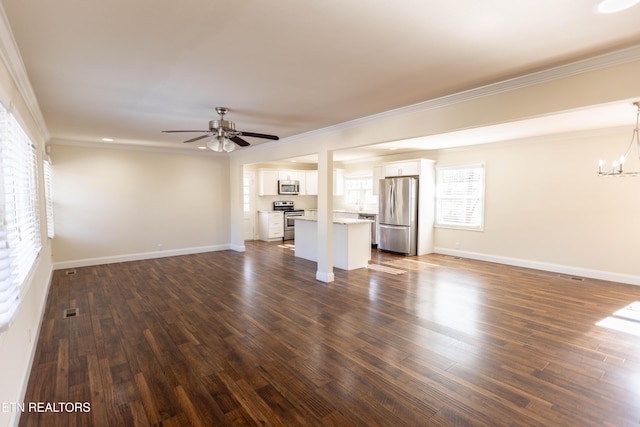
(225, 134)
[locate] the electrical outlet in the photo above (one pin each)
(159, 246)
(457, 245)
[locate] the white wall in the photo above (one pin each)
(17, 342)
(546, 208)
(113, 205)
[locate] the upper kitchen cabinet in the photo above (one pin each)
(311, 183)
(291, 175)
(268, 182)
(402, 168)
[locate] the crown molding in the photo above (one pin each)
(595, 63)
(135, 147)
(10, 55)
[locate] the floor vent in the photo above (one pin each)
(70, 312)
(579, 279)
(70, 272)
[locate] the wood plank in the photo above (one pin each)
(230, 338)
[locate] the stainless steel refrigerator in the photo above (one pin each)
(398, 215)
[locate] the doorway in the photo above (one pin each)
(248, 205)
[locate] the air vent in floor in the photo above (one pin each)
(579, 279)
(70, 312)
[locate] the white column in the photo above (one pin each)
(236, 213)
(325, 216)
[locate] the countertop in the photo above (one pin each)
(348, 211)
(344, 221)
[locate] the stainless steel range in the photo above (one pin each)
(289, 214)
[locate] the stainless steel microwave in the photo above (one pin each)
(288, 187)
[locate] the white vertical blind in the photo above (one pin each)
(19, 227)
(460, 196)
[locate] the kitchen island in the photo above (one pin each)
(351, 241)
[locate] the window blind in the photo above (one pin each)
(460, 196)
(48, 197)
(19, 226)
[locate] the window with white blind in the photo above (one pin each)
(460, 196)
(48, 197)
(19, 228)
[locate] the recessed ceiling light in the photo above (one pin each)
(202, 148)
(613, 6)
(393, 148)
(107, 139)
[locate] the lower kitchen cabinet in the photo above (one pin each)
(271, 225)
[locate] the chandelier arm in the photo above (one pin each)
(635, 137)
(617, 169)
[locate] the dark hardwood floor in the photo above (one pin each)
(229, 338)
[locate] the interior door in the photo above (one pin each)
(248, 205)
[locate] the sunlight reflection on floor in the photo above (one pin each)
(626, 319)
(287, 246)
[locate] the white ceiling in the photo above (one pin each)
(128, 69)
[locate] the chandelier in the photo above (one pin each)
(617, 166)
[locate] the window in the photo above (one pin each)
(48, 197)
(359, 190)
(246, 193)
(460, 196)
(19, 227)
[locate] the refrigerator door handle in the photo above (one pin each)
(392, 198)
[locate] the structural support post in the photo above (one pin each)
(325, 216)
(236, 175)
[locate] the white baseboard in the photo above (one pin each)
(137, 257)
(537, 265)
(238, 248)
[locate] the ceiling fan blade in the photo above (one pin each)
(199, 137)
(241, 142)
(174, 131)
(259, 135)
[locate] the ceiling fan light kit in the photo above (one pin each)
(221, 144)
(226, 137)
(617, 166)
(613, 6)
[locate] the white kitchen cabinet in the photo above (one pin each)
(351, 242)
(311, 183)
(271, 226)
(404, 168)
(290, 175)
(268, 182)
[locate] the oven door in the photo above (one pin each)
(290, 224)
(289, 221)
